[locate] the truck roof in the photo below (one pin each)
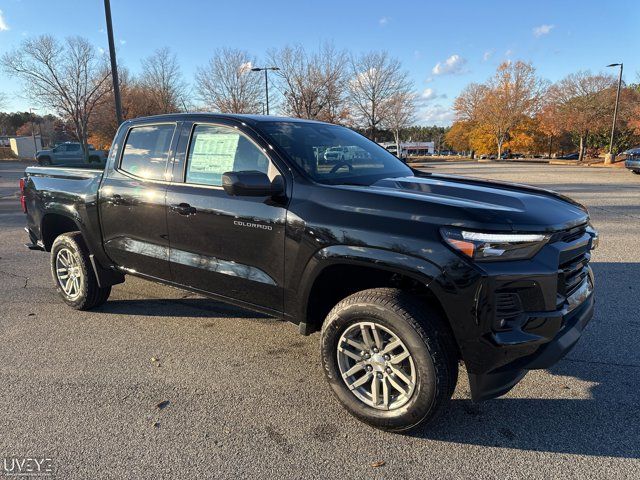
(248, 118)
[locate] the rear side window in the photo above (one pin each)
(146, 151)
(73, 147)
(215, 150)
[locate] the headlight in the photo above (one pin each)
(494, 246)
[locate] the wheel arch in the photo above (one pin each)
(338, 271)
(55, 223)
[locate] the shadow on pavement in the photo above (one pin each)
(182, 307)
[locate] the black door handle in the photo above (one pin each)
(184, 209)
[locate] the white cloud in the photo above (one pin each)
(542, 30)
(384, 21)
(429, 94)
(487, 55)
(508, 53)
(101, 50)
(452, 65)
(436, 115)
(123, 42)
(3, 23)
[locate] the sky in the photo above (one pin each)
(443, 45)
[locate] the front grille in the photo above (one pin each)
(573, 234)
(573, 274)
(574, 259)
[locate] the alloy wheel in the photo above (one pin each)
(376, 365)
(69, 273)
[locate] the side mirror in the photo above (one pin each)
(251, 183)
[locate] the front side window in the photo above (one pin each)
(332, 154)
(146, 151)
(215, 150)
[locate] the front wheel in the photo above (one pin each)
(71, 270)
(389, 358)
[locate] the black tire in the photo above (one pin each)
(90, 295)
(44, 161)
(637, 172)
(94, 159)
(427, 339)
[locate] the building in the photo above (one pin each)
(25, 147)
(409, 149)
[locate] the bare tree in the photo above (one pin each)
(582, 103)
(68, 78)
(161, 76)
(3, 101)
(312, 85)
(467, 104)
(226, 83)
(401, 114)
(376, 79)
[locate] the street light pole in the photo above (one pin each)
(266, 81)
(114, 65)
(615, 108)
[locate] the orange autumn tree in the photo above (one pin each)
(497, 107)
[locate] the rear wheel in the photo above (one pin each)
(44, 161)
(637, 172)
(389, 358)
(71, 270)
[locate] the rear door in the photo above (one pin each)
(59, 155)
(226, 245)
(132, 201)
(74, 155)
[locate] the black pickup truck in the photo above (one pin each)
(405, 273)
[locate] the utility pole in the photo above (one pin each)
(114, 65)
(33, 131)
(609, 158)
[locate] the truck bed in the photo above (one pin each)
(51, 191)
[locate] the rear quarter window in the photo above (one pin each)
(146, 151)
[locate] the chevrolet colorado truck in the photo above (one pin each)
(405, 274)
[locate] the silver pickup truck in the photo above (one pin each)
(70, 153)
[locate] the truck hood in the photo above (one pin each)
(494, 205)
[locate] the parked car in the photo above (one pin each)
(69, 153)
(571, 156)
(403, 273)
(633, 160)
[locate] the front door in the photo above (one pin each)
(226, 245)
(132, 202)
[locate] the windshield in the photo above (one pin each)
(334, 155)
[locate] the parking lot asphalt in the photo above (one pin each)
(233, 394)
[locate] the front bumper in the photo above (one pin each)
(633, 165)
(500, 381)
(511, 317)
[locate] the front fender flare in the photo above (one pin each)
(420, 269)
